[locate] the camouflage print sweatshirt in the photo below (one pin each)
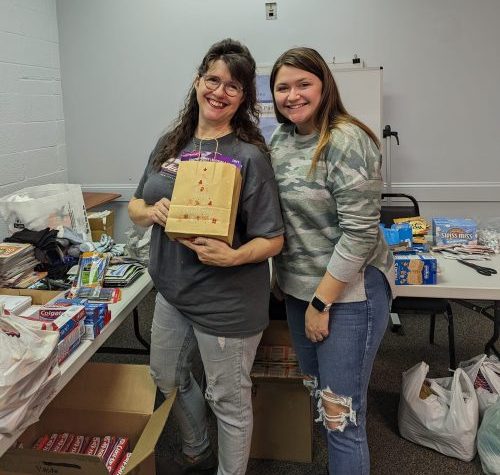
(331, 217)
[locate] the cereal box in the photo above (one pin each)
(415, 269)
(453, 231)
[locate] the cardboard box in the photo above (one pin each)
(102, 399)
(282, 409)
(454, 231)
(38, 297)
(101, 225)
(415, 269)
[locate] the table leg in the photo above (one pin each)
(129, 351)
(496, 330)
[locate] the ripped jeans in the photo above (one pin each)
(227, 363)
(338, 369)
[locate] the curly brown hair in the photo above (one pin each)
(245, 121)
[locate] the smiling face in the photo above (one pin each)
(216, 108)
(297, 94)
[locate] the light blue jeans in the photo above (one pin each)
(341, 365)
(227, 363)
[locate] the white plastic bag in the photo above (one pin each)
(484, 372)
(39, 207)
(447, 419)
(488, 440)
(28, 372)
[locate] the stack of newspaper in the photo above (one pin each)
(17, 262)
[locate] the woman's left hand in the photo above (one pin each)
(211, 252)
(316, 324)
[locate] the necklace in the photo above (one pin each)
(214, 137)
(208, 139)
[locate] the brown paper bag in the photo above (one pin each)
(204, 201)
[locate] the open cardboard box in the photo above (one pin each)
(38, 297)
(102, 399)
(100, 226)
(282, 409)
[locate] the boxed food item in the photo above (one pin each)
(415, 269)
(282, 408)
(102, 399)
(453, 231)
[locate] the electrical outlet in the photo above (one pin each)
(271, 11)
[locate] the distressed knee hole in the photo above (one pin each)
(210, 395)
(310, 383)
(335, 411)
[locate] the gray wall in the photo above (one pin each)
(126, 66)
(32, 142)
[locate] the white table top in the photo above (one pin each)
(131, 297)
(457, 281)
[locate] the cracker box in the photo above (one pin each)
(453, 231)
(415, 269)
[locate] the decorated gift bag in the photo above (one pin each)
(205, 197)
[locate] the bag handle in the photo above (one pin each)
(457, 393)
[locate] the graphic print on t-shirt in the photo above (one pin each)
(170, 167)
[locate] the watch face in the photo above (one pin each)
(318, 304)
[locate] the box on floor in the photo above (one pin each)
(282, 409)
(102, 399)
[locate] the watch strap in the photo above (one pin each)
(319, 305)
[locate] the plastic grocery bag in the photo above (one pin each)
(46, 206)
(439, 413)
(488, 440)
(28, 372)
(484, 372)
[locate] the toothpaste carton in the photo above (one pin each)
(453, 231)
(93, 329)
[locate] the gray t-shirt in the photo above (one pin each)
(222, 301)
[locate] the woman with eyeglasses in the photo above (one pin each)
(212, 295)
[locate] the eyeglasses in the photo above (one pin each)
(230, 88)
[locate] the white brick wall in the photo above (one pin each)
(32, 143)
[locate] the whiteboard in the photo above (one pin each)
(360, 90)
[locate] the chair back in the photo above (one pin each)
(398, 210)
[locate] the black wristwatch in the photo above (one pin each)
(319, 305)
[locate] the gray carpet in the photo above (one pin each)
(390, 454)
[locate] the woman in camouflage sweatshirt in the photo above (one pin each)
(334, 263)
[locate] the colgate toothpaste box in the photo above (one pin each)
(453, 231)
(92, 330)
(64, 323)
(70, 342)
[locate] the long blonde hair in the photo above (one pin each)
(331, 113)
